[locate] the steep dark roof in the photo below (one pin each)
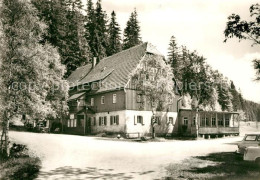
(114, 71)
(78, 74)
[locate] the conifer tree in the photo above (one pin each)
(224, 96)
(65, 30)
(114, 39)
(77, 53)
(132, 35)
(236, 99)
(174, 58)
(96, 31)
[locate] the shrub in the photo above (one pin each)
(20, 165)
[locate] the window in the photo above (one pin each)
(75, 123)
(194, 121)
(103, 121)
(94, 121)
(250, 138)
(207, 121)
(114, 120)
(203, 122)
(138, 119)
(72, 123)
(185, 121)
(92, 102)
(170, 120)
(102, 99)
(220, 122)
(213, 121)
(139, 98)
(71, 116)
(227, 122)
(114, 98)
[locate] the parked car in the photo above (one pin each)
(252, 154)
(248, 140)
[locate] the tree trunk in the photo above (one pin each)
(5, 149)
(153, 122)
(197, 122)
(153, 132)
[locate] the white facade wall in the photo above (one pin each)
(128, 122)
(165, 127)
(120, 128)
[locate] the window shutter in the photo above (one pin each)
(99, 121)
(142, 120)
(117, 119)
(135, 120)
(105, 120)
(94, 119)
(111, 120)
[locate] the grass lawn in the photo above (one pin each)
(225, 165)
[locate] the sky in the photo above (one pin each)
(199, 25)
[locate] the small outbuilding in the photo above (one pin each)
(209, 123)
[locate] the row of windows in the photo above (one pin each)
(103, 100)
(102, 121)
(157, 120)
(72, 123)
(114, 120)
(140, 98)
(205, 121)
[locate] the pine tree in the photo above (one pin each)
(31, 73)
(65, 30)
(96, 31)
(77, 51)
(236, 99)
(224, 96)
(114, 40)
(132, 35)
(174, 58)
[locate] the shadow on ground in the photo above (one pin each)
(68, 172)
(226, 165)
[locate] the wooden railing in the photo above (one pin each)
(219, 130)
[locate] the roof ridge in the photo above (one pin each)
(123, 51)
(84, 65)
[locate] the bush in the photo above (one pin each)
(20, 165)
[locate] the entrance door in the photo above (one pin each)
(88, 125)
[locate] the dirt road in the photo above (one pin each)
(79, 157)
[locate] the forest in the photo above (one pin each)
(66, 34)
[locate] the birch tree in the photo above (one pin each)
(31, 73)
(154, 79)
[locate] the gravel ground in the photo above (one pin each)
(79, 157)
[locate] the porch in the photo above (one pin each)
(218, 130)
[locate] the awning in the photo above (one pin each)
(76, 96)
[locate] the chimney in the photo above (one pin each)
(94, 62)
